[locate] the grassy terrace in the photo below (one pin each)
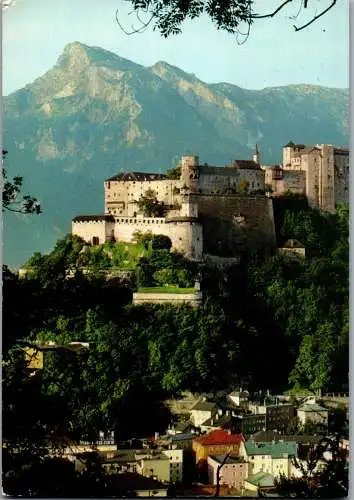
(167, 289)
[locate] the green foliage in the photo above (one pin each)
(243, 187)
(168, 16)
(11, 200)
(143, 238)
(161, 242)
(174, 173)
(150, 206)
(331, 481)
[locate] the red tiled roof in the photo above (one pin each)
(219, 436)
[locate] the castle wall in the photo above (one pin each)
(341, 178)
(90, 229)
(291, 180)
(193, 299)
(120, 195)
(235, 224)
(225, 179)
(186, 236)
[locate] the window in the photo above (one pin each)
(95, 240)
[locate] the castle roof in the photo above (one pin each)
(87, 218)
(220, 437)
(246, 165)
(137, 176)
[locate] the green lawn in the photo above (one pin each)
(167, 289)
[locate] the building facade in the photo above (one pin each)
(233, 472)
(321, 172)
(274, 458)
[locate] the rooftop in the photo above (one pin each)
(219, 436)
(183, 437)
(137, 176)
(292, 243)
(84, 218)
(230, 460)
(276, 449)
(246, 165)
(273, 435)
(261, 479)
(203, 406)
(312, 407)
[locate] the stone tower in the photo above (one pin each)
(189, 173)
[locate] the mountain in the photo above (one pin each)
(95, 114)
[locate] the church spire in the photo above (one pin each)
(256, 156)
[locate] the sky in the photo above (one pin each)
(36, 31)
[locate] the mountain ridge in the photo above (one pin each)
(94, 114)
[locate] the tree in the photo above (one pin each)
(11, 199)
(324, 473)
(243, 187)
(150, 206)
(167, 16)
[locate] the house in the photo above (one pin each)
(274, 435)
(275, 458)
(233, 472)
(261, 481)
(183, 441)
(202, 411)
(156, 466)
(239, 398)
(277, 416)
(293, 249)
(248, 424)
(217, 442)
(218, 421)
(181, 427)
(175, 457)
(314, 414)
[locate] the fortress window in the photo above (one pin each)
(108, 185)
(95, 240)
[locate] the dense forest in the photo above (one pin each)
(269, 323)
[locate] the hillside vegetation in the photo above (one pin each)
(270, 323)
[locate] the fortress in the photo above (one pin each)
(217, 211)
(320, 171)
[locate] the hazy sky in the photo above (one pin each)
(36, 31)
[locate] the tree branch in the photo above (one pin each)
(316, 17)
(217, 492)
(272, 14)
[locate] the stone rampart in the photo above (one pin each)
(193, 299)
(235, 224)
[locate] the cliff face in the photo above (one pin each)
(95, 114)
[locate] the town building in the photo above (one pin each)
(274, 458)
(201, 411)
(233, 472)
(277, 416)
(313, 414)
(217, 442)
